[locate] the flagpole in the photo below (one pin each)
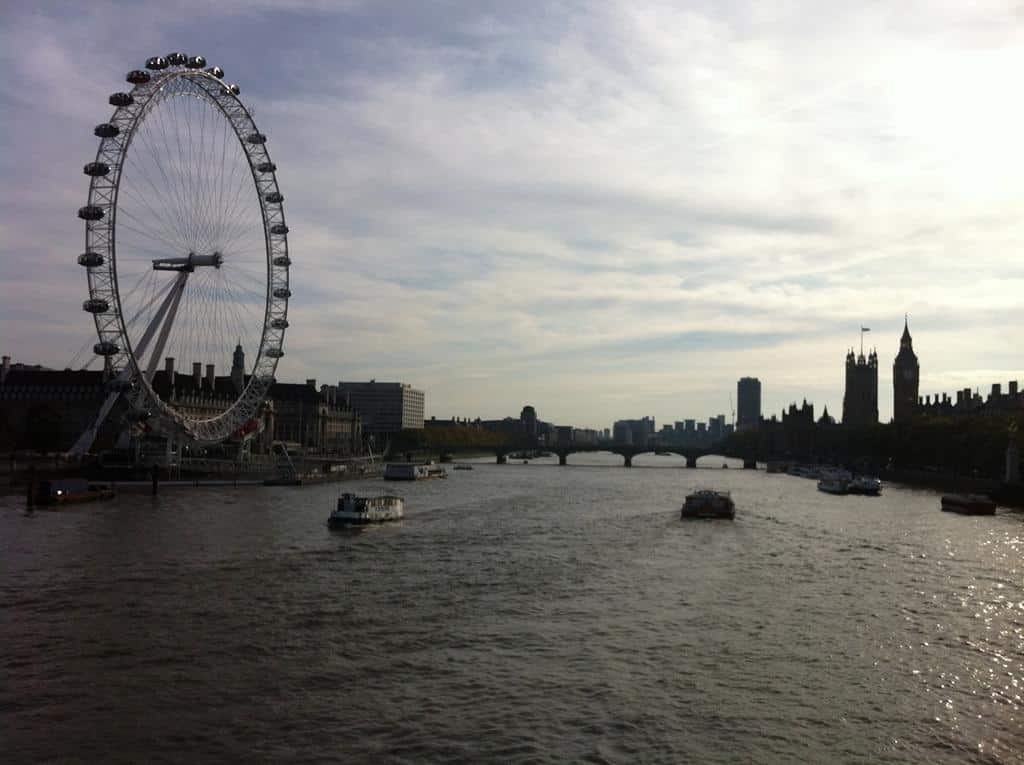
(863, 329)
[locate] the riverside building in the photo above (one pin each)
(860, 401)
(748, 403)
(385, 407)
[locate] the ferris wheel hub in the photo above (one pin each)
(189, 263)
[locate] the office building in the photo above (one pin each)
(385, 407)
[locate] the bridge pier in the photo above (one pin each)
(629, 460)
(691, 462)
(563, 458)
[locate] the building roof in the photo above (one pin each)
(38, 377)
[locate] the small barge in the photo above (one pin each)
(968, 504)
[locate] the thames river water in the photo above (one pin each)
(520, 613)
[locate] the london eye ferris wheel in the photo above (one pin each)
(186, 248)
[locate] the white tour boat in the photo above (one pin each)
(706, 503)
(355, 510)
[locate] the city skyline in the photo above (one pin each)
(607, 212)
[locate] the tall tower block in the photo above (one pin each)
(906, 377)
(860, 402)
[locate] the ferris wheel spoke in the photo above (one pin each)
(164, 194)
(164, 226)
(231, 208)
(183, 141)
(157, 155)
(161, 153)
(180, 166)
(198, 165)
(141, 229)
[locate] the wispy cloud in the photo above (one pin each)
(605, 209)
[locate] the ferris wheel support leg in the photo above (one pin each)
(85, 441)
(177, 290)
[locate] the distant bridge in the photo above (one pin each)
(691, 453)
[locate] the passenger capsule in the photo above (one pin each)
(275, 197)
(106, 348)
(279, 228)
(96, 169)
(234, 89)
(196, 62)
(176, 59)
(96, 305)
(279, 324)
(274, 353)
(283, 293)
(156, 63)
(90, 212)
(283, 261)
(138, 77)
(216, 71)
(90, 259)
(106, 130)
(266, 167)
(256, 138)
(121, 99)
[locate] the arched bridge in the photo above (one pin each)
(691, 453)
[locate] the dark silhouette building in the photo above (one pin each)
(528, 417)
(748, 403)
(798, 416)
(860, 402)
(906, 379)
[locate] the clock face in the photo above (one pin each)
(909, 374)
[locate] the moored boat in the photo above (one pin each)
(707, 503)
(968, 504)
(834, 486)
(413, 471)
(68, 491)
(867, 485)
(353, 510)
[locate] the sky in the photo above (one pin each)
(607, 210)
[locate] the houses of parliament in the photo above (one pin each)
(860, 400)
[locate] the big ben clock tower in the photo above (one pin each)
(905, 379)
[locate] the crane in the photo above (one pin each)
(733, 410)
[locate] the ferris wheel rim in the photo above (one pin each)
(100, 256)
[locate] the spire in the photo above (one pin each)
(906, 341)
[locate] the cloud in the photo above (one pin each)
(606, 209)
